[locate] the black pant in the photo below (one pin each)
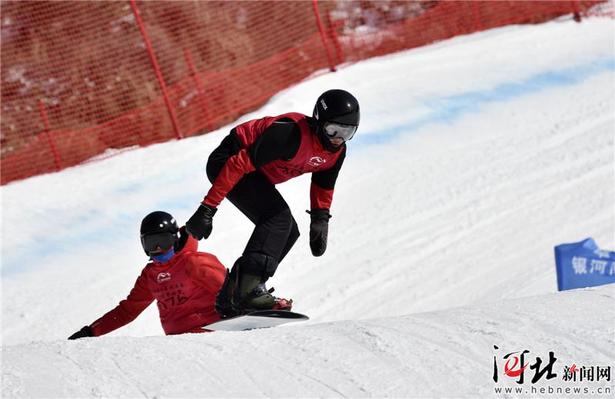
(275, 230)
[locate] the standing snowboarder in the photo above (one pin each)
(245, 168)
(183, 281)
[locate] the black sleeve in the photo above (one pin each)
(281, 140)
(326, 179)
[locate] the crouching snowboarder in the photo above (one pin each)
(184, 282)
(245, 168)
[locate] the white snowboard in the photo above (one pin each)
(258, 319)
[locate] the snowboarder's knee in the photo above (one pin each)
(258, 264)
(294, 232)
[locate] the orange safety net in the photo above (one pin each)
(82, 80)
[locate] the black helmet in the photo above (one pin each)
(337, 106)
(159, 232)
(338, 115)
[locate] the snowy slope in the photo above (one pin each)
(438, 354)
(474, 158)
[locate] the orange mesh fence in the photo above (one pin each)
(82, 80)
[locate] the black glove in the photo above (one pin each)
(200, 224)
(319, 228)
(84, 332)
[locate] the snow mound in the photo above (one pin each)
(443, 353)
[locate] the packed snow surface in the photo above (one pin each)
(474, 158)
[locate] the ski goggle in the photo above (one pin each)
(158, 242)
(335, 130)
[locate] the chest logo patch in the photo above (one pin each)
(316, 161)
(162, 277)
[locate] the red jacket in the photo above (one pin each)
(311, 157)
(185, 289)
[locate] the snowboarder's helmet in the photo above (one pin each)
(338, 114)
(159, 232)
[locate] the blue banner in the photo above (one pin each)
(583, 264)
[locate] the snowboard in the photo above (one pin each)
(256, 319)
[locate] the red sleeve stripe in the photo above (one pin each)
(235, 168)
(320, 198)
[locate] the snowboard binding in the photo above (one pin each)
(241, 294)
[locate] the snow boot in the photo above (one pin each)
(252, 294)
